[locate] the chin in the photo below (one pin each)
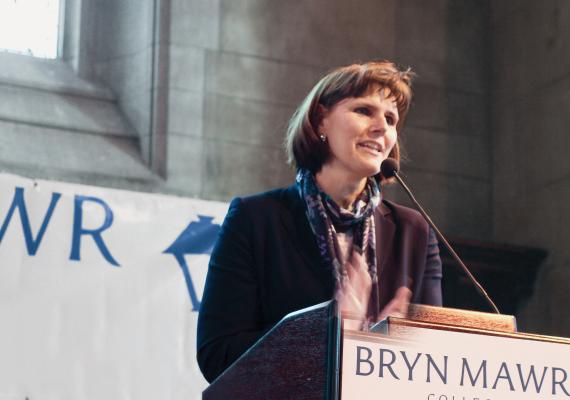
(371, 170)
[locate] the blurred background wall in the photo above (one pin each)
(530, 134)
(191, 97)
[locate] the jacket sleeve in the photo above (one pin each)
(431, 293)
(228, 321)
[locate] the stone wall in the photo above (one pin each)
(117, 50)
(240, 67)
(448, 137)
(531, 98)
(83, 118)
(237, 69)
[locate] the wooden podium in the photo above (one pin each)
(308, 355)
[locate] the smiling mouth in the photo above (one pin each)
(372, 146)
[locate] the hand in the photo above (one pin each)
(398, 306)
(354, 294)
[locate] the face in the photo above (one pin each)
(361, 133)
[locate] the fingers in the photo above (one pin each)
(354, 293)
(352, 301)
(404, 295)
(357, 263)
(357, 270)
(398, 306)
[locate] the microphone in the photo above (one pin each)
(389, 168)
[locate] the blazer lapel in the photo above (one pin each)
(385, 231)
(298, 228)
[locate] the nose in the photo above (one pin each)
(379, 125)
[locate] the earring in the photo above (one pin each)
(323, 137)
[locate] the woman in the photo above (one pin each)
(328, 235)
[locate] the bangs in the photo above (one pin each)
(361, 80)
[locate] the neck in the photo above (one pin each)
(342, 188)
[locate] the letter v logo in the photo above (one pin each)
(18, 202)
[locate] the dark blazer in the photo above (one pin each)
(266, 264)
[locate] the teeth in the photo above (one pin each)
(371, 146)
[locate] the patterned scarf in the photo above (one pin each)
(324, 215)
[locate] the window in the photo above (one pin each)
(30, 27)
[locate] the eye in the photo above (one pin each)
(362, 110)
(391, 120)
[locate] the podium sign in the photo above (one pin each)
(432, 364)
(435, 354)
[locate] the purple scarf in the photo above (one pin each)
(324, 215)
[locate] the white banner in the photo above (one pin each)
(99, 291)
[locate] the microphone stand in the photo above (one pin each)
(446, 243)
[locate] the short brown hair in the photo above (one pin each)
(303, 145)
